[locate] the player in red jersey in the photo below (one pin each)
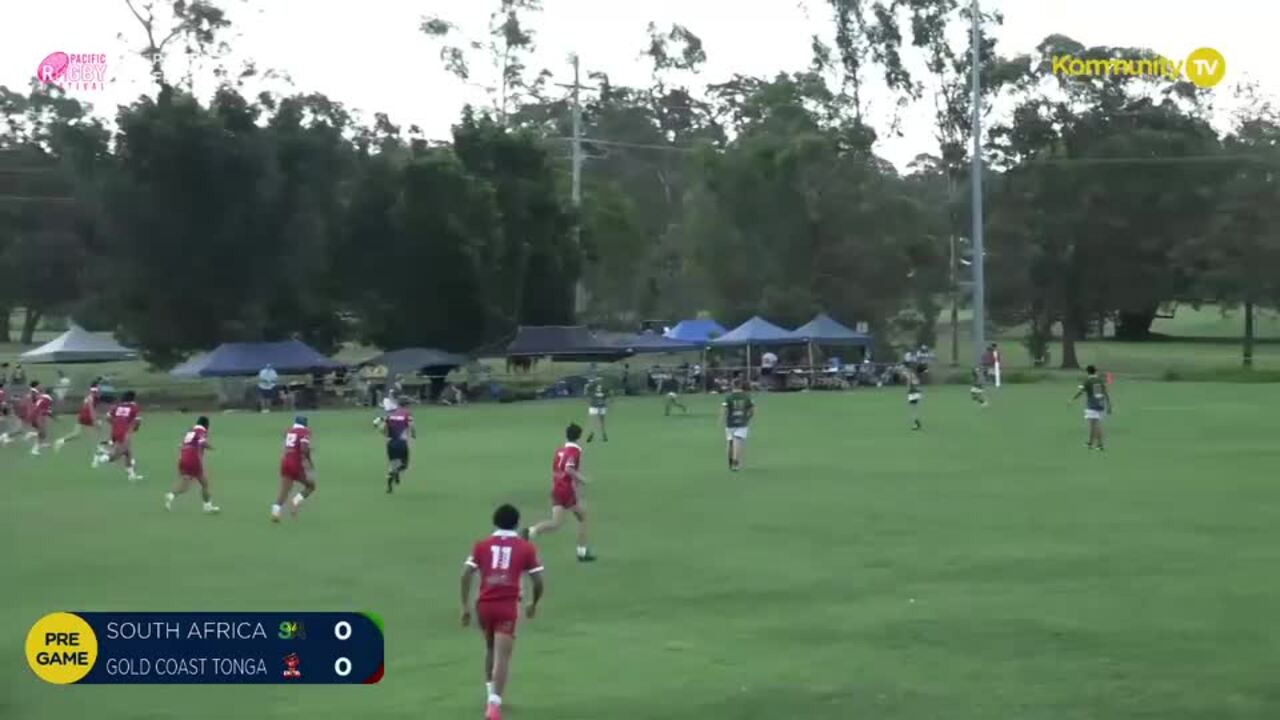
(399, 428)
(501, 560)
(295, 467)
(87, 417)
(191, 466)
(125, 419)
(41, 415)
(566, 482)
(26, 410)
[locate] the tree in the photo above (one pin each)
(1233, 263)
(509, 43)
(50, 152)
(195, 24)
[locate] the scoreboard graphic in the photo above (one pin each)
(97, 648)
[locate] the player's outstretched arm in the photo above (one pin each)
(468, 571)
(538, 588)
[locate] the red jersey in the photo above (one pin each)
(42, 408)
(90, 400)
(567, 458)
(502, 559)
(194, 443)
(297, 444)
(398, 422)
(124, 418)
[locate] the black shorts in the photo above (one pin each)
(398, 450)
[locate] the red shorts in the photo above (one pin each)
(564, 496)
(191, 467)
(293, 470)
(498, 618)
(119, 437)
(85, 419)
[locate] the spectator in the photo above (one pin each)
(19, 376)
(4, 375)
(62, 388)
(267, 379)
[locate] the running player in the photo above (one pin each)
(673, 397)
(399, 427)
(501, 560)
(599, 407)
(976, 391)
(566, 482)
(41, 415)
(85, 419)
(914, 396)
(738, 411)
(125, 419)
(1097, 403)
(295, 467)
(191, 466)
(26, 409)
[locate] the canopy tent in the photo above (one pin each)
(78, 345)
(414, 360)
(643, 343)
(289, 357)
(822, 330)
(696, 330)
(757, 331)
(562, 342)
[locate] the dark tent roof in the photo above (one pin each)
(562, 342)
(79, 345)
(696, 330)
(822, 329)
(412, 360)
(639, 343)
(289, 357)
(758, 331)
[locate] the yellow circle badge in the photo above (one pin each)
(1206, 67)
(61, 648)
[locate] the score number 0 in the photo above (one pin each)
(342, 631)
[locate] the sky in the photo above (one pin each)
(371, 56)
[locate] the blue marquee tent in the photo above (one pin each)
(822, 330)
(696, 330)
(758, 331)
(289, 357)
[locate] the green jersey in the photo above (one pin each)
(1095, 393)
(599, 396)
(738, 409)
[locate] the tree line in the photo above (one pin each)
(190, 222)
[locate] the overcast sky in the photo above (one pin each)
(371, 56)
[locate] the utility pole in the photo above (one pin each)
(955, 309)
(580, 292)
(979, 256)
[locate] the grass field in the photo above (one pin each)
(988, 567)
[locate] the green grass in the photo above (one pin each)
(988, 567)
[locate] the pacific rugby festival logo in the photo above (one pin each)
(74, 71)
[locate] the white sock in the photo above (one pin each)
(275, 509)
(495, 700)
(582, 551)
(169, 496)
(297, 499)
(533, 532)
(488, 689)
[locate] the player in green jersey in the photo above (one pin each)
(914, 396)
(738, 412)
(1097, 403)
(598, 399)
(977, 391)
